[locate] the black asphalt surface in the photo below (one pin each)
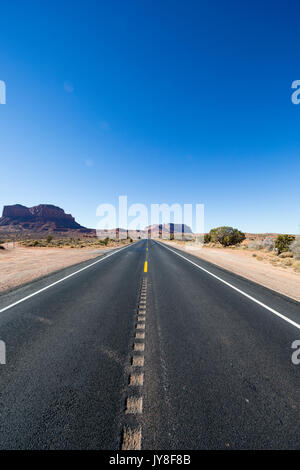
(218, 369)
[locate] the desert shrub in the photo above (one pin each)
(2, 247)
(255, 245)
(207, 238)
(268, 244)
(106, 241)
(282, 243)
(295, 248)
(288, 262)
(226, 236)
(296, 265)
(49, 238)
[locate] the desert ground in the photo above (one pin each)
(264, 268)
(19, 264)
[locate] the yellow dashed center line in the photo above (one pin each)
(140, 335)
(134, 405)
(132, 439)
(132, 435)
(139, 347)
(136, 379)
(138, 361)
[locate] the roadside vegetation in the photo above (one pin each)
(226, 236)
(51, 242)
(282, 250)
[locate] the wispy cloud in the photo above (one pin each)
(68, 87)
(89, 162)
(104, 125)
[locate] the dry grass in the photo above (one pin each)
(69, 242)
(287, 262)
(296, 265)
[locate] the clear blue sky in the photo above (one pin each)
(164, 101)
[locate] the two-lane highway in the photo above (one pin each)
(144, 340)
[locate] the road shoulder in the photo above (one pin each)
(274, 278)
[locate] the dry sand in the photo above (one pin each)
(242, 262)
(20, 265)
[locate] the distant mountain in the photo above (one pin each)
(166, 229)
(154, 231)
(21, 221)
(43, 218)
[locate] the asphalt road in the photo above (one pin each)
(217, 370)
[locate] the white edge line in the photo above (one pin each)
(61, 280)
(283, 317)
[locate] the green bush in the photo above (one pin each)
(282, 243)
(226, 236)
(106, 241)
(207, 238)
(49, 238)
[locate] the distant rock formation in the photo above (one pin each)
(154, 231)
(15, 211)
(41, 218)
(159, 230)
(22, 221)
